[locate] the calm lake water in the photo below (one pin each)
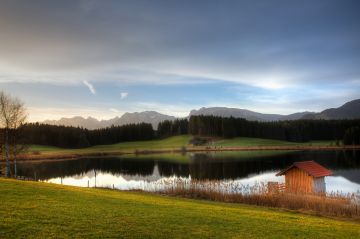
(149, 171)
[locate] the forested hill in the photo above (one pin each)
(347, 131)
(294, 131)
(75, 137)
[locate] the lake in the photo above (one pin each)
(148, 172)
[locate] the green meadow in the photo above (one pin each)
(171, 143)
(253, 142)
(175, 142)
(41, 210)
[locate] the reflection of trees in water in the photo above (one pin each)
(223, 168)
(208, 166)
(337, 160)
(202, 166)
(167, 169)
(47, 170)
(352, 175)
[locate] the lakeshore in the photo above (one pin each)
(177, 144)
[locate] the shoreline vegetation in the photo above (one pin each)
(334, 204)
(178, 144)
(140, 214)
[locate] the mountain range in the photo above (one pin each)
(151, 117)
(350, 110)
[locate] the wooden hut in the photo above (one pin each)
(305, 177)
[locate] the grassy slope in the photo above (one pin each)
(171, 142)
(243, 141)
(175, 142)
(39, 210)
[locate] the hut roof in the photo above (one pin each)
(312, 168)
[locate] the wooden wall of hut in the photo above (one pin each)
(298, 181)
(319, 185)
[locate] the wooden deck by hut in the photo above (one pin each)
(305, 177)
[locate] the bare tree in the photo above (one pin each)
(12, 118)
(16, 139)
(5, 124)
(1, 147)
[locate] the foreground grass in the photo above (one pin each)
(40, 210)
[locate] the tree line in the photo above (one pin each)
(170, 128)
(76, 137)
(352, 136)
(294, 131)
(202, 126)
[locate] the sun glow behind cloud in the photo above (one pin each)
(38, 114)
(267, 63)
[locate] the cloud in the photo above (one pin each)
(90, 86)
(108, 43)
(123, 95)
(90, 42)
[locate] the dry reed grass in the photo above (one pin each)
(334, 204)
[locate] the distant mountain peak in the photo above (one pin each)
(236, 113)
(151, 117)
(349, 110)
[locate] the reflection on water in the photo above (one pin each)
(150, 171)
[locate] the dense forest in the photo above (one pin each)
(170, 128)
(75, 137)
(295, 131)
(352, 136)
(347, 131)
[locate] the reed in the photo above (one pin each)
(333, 204)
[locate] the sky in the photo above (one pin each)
(104, 58)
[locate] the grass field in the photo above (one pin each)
(40, 210)
(175, 142)
(243, 141)
(171, 143)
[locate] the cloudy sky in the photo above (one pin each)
(103, 58)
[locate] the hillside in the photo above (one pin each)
(236, 113)
(151, 117)
(77, 121)
(350, 110)
(41, 210)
